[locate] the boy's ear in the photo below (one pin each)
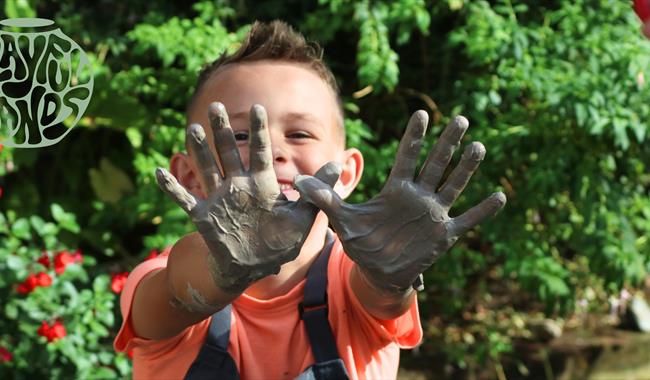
(182, 167)
(352, 170)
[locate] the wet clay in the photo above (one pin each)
(249, 226)
(195, 304)
(401, 232)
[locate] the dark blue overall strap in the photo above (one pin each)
(213, 361)
(313, 309)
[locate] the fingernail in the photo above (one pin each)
(500, 198)
(196, 132)
(333, 168)
(216, 108)
(258, 115)
(421, 119)
(217, 113)
(475, 151)
(161, 175)
(461, 121)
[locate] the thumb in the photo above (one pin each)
(318, 193)
(329, 173)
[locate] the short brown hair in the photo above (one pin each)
(275, 41)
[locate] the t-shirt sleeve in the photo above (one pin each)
(126, 338)
(405, 330)
(152, 358)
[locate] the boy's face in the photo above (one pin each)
(303, 117)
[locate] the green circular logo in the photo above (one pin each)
(46, 83)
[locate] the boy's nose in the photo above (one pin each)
(279, 155)
(278, 148)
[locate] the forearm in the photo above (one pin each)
(380, 303)
(189, 279)
(168, 301)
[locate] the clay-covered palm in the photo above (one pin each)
(398, 234)
(249, 226)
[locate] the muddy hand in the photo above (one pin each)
(399, 233)
(249, 226)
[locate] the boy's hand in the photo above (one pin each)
(249, 226)
(399, 233)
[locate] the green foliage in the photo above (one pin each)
(572, 79)
(82, 302)
(555, 90)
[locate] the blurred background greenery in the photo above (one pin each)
(555, 89)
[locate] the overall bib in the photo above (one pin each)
(214, 362)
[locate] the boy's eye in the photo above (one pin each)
(241, 136)
(299, 135)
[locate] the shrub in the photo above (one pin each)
(59, 310)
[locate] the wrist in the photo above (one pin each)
(190, 283)
(380, 302)
(380, 285)
(226, 279)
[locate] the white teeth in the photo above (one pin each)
(285, 186)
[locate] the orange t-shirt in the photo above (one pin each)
(267, 337)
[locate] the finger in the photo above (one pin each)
(170, 186)
(319, 194)
(477, 214)
(471, 159)
(224, 140)
(261, 156)
(329, 173)
(207, 166)
(439, 157)
(409, 148)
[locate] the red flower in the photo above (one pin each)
(27, 286)
(129, 353)
(152, 254)
(44, 330)
(54, 332)
(58, 330)
(34, 280)
(5, 355)
(117, 281)
(61, 260)
(44, 260)
(43, 279)
(77, 257)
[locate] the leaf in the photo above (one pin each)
(98, 328)
(101, 284)
(19, 8)
(37, 223)
(15, 262)
(66, 220)
(620, 134)
(106, 357)
(11, 310)
(57, 212)
(109, 183)
(135, 137)
(3, 224)
(20, 229)
(49, 229)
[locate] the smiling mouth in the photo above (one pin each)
(285, 187)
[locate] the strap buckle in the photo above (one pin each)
(302, 309)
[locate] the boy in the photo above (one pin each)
(258, 236)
